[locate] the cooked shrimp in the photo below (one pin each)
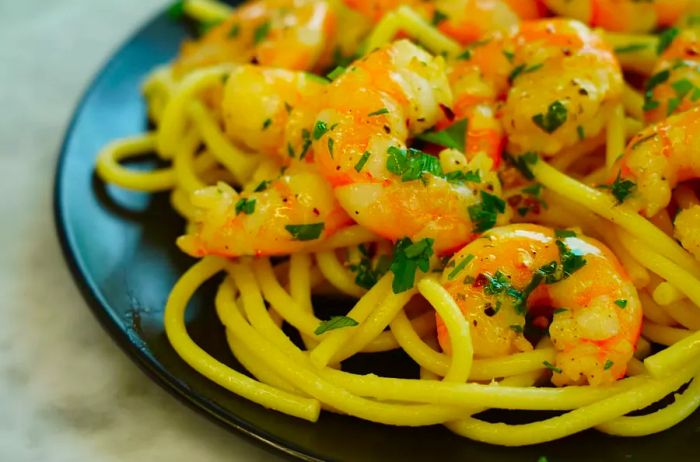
(360, 145)
(275, 217)
(291, 34)
(528, 9)
(622, 15)
(565, 83)
(675, 85)
(469, 20)
(686, 229)
(271, 110)
(660, 157)
(479, 81)
(575, 281)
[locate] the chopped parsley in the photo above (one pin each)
(305, 232)
(622, 303)
(262, 186)
(260, 33)
(571, 260)
(336, 322)
(453, 137)
(335, 73)
(331, 145)
(631, 48)
(176, 10)
(531, 203)
(439, 17)
(234, 31)
(551, 367)
(205, 26)
(410, 164)
(555, 117)
(621, 189)
(523, 69)
(497, 284)
(666, 38)
(467, 53)
(367, 276)
(246, 206)
(560, 310)
(581, 133)
(306, 136)
(522, 163)
(564, 233)
(458, 269)
(509, 55)
(485, 214)
(378, 112)
(517, 328)
(363, 160)
(608, 365)
(408, 258)
(653, 82)
(266, 124)
(682, 88)
(320, 129)
(461, 176)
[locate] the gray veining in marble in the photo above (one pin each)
(67, 393)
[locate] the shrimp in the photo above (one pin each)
(271, 110)
(360, 136)
(575, 281)
(274, 217)
(686, 229)
(565, 82)
(469, 20)
(291, 34)
(657, 159)
(622, 15)
(675, 85)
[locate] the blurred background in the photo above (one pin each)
(67, 393)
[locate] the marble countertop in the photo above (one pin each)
(67, 393)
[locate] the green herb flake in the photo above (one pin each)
(608, 365)
(460, 176)
(411, 164)
(485, 214)
(363, 160)
(367, 276)
(331, 146)
(234, 31)
(543, 459)
(335, 73)
(517, 328)
(581, 133)
(262, 186)
(654, 81)
(306, 137)
(453, 137)
(621, 189)
(439, 17)
(378, 112)
(551, 367)
(305, 232)
(320, 129)
(622, 303)
(666, 38)
(260, 33)
(266, 124)
(555, 117)
(176, 10)
(631, 48)
(246, 206)
(408, 258)
(564, 233)
(336, 322)
(205, 26)
(571, 260)
(509, 55)
(560, 311)
(458, 269)
(522, 163)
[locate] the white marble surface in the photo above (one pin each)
(67, 393)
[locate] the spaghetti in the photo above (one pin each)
(555, 185)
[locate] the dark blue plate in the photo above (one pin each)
(120, 246)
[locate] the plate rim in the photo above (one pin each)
(100, 307)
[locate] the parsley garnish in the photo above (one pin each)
(509, 55)
(234, 31)
(485, 214)
(523, 69)
(622, 303)
(246, 206)
(564, 233)
(306, 136)
(608, 365)
(631, 48)
(653, 82)
(266, 124)
(439, 17)
(467, 54)
(336, 322)
(378, 112)
(666, 38)
(551, 367)
(410, 164)
(460, 176)
(517, 328)
(571, 260)
(176, 10)
(363, 160)
(320, 129)
(560, 310)
(205, 26)
(620, 188)
(581, 133)
(331, 145)
(262, 186)
(521, 163)
(458, 269)
(260, 32)
(305, 232)
(335, 73)
(408, 258)
(554, 118)
(367, 276)
(453, 137)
